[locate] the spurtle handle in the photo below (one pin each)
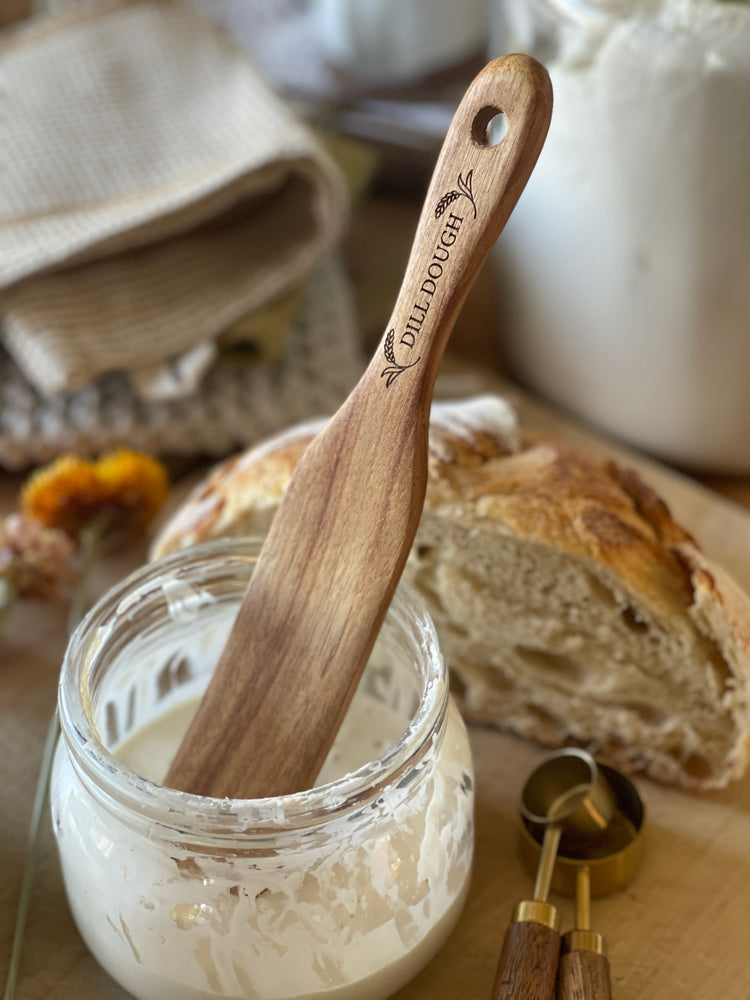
(527, 969)
(474, 188)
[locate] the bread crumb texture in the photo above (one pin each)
(571, 607)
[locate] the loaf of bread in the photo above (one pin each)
(571, 607)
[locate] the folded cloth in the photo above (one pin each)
(154, 191)
(238, 402)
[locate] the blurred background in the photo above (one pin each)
(209, 204)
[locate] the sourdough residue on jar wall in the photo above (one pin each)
(261, 900)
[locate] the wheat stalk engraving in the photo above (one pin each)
(388, 347)
(393, 369)
(463, 190)
(445, 202)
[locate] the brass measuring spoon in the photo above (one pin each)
(566, 796)
(591, 866)
(584, 967)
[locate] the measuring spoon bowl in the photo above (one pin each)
(613, 857)
(569, 790)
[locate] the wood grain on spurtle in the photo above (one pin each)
(338, 544)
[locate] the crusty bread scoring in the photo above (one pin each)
(570, 605)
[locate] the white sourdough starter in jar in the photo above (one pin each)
(624, 268)
(345, 891)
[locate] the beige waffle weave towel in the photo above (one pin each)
(238, 401)
(154, 191)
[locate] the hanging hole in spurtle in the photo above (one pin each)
(489, 127)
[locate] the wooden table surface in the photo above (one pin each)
(679, 932)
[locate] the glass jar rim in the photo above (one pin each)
(218, 819)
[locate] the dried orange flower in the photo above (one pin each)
(134, 483)
(63, 494)
(127, 487)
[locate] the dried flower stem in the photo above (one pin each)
(91, 540)
(32, 855)
(90, 543)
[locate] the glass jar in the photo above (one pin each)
(342, 891)
(625, 265)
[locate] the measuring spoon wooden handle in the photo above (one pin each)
(584, 975)
(339, 541)
(527, 969)
(584, 968)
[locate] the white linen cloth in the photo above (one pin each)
(154, 190)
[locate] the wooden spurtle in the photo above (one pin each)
(333, 557)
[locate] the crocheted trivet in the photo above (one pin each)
(239, 400)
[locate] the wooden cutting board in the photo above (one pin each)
(679, 932)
